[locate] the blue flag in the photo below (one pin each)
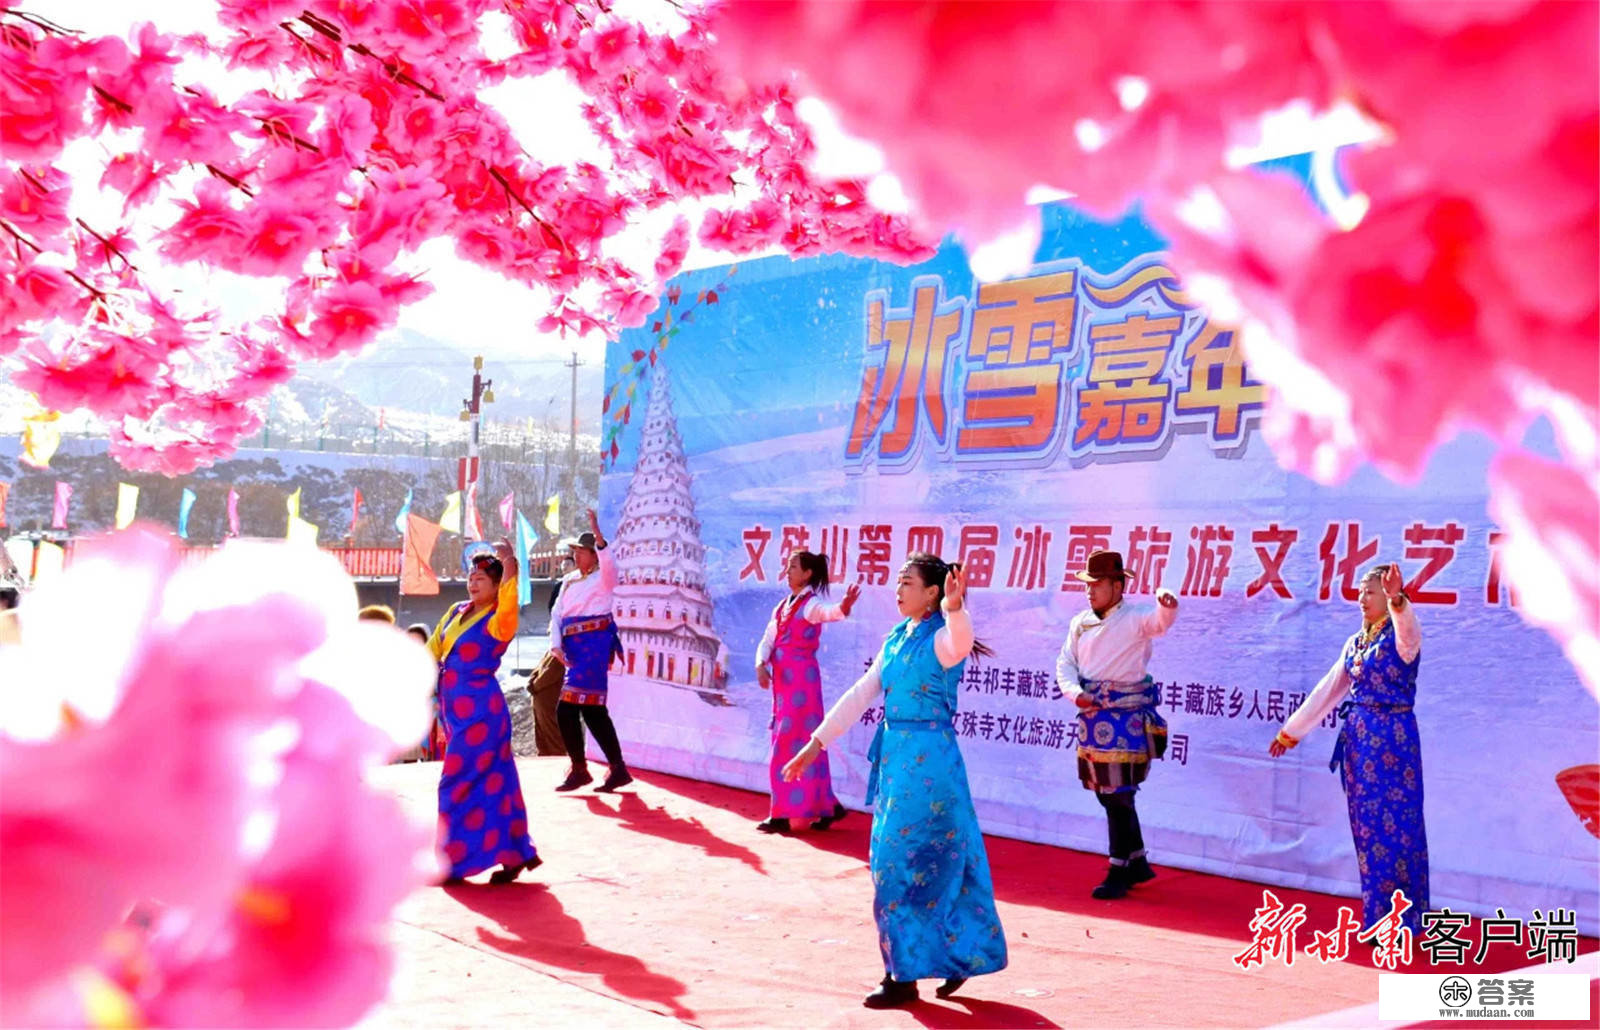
(183, 512)
(526, 538)
(400, 519)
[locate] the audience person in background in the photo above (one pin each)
(376, 613)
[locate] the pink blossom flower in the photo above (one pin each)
(1551, 553)
(135, 176)
(34, 200)
(612, 49)
(348, 315)
(629, 308)
(277, 237)
(252, 931)
(41, 95)
(674, 249)
(653, 102)
(117, 373)
(38, 291)
(208, 226)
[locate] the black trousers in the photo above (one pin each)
(1122, 825)
(571, 718)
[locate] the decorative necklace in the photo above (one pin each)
(1364, 639)
(1369, 633)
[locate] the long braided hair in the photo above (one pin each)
(932, 569)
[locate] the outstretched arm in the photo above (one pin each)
(1335, 684)
(844, 713)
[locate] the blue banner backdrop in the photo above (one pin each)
(863, 410)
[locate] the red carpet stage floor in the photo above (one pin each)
(662, 904)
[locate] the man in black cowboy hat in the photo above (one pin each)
(584, 639)
(1102, 669)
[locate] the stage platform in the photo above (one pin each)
(662, 905)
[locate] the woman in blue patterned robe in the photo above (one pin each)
(483, 820)
(1379, 752)
(933, 899)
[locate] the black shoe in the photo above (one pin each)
(616, 778)
(773, 826)
(892, 994)
(576, 779)
(1115, 885)
(839, 812)
(950, 986)
(1139, 871)
(509, 873)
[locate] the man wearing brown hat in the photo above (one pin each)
(1102, 669)
(584, 639)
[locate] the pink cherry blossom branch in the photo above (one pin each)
(328, 29)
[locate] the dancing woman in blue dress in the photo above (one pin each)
(482, 819)
(1378, 754)
(933, 899)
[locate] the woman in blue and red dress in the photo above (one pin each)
(1378, 754)
(484, 821)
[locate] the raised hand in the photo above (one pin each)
(1166, 598)
(955, 588)
(1276, 748)
(1393, 582)
(507, 555)
(848, 602)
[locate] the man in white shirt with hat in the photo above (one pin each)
(584, 639)
(1102, 669)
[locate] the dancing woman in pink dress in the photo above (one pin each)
(786, 663)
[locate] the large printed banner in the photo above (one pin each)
(864, 411)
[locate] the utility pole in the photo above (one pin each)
(471, 411)
(570, 508)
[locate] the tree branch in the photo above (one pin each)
(230, 180)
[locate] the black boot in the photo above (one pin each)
(839, 812)
(892, 994)
(777, 824)
(575, 779)
(1139, 871)
(619, 776)
(1115, 885)
(950, 986)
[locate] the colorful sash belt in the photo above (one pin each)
(573, 628)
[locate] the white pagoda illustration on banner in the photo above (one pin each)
(662, 610)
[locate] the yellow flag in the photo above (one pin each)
(450, 521)
(48, 562)
(293, 504)
(552, 514)
(40, 438)
(301, 531)
(127, 504)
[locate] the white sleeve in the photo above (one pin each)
(1067, 666)
(1407, 632)
(608, 569)
(768, 639)
(1156, 622)
(816, 611)
(1334, 686)
(953, 643)
(847, 710)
